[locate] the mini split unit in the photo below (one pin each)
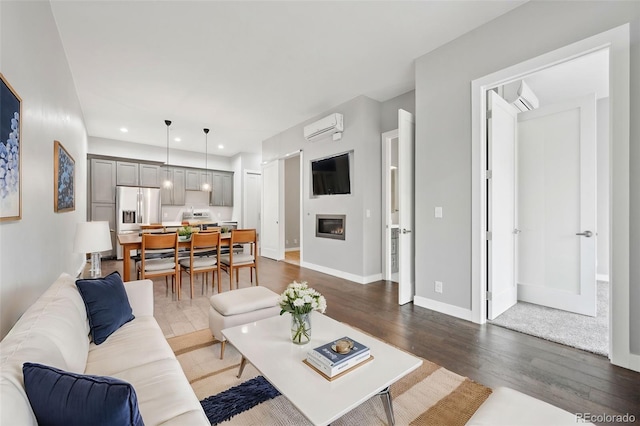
(520, 95)
(330, 125)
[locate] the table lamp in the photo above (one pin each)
(93, 237)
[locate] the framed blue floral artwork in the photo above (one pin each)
(64, 168)
(10, 152)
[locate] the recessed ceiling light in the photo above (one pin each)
(124, 129)
(177, 139)
(220, 146)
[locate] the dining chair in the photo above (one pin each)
(246, 259)
(204, 257)
(152, 266)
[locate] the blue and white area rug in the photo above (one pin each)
(431, 395)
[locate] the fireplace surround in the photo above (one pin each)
(331, 226)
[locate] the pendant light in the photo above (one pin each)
(206, 186)
(168, 183)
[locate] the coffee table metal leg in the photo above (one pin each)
(385, 394)
(242, 364)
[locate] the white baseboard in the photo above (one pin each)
(602, 277)
(292, 249)
(341, 274)
(634, 362)
(444, 308)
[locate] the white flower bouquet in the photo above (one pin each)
(299, 300)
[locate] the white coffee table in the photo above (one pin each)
(267, 345)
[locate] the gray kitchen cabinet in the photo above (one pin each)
(205, 178)
(150, 175)
(174, 195)
(106, 212)
(127, 173)
(222, 192)
(103, 181)
(192, 177)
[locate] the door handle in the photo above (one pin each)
(587, 234)
(406, 231)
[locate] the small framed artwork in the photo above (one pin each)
(10, 152)
(64, 173)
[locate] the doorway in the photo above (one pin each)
(292, 198)
(252, 201)
(542, 193)
(398, 149)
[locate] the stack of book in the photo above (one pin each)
(330, 362)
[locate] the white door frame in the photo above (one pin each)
(386, 139)
(617, 41)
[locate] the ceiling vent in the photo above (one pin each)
(330, 125)
(520, 95)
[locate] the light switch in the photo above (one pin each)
(438, 212)
(368, 212)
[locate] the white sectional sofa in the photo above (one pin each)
(54, 331)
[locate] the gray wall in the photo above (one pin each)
(359, 254)
(389, 118)
(443, 132)
(34, 251)
(292, 202)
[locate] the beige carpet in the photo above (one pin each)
(430, 395)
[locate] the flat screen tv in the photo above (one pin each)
(330, 176)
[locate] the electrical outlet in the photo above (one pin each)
(165, 215)
(286, 241)
(438, 287)
(295, 241)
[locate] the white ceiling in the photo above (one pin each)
(247, 70)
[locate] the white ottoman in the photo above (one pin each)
(241, 306)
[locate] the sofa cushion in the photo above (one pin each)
(107, 305)
(62, 398)
(136, 343)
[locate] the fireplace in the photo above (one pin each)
(331, 226)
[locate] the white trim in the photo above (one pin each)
(341, 274)
(292, 249)
(634, 362)
(602, 277)
(445, 308)
(617, 41)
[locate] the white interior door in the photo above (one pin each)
(557, 206)
(252, 201)
(406, 271)
(272, 228)
(501, 214)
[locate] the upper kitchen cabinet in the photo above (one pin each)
(174, 195)
(103, 181)
(150, 175)
(127, 173)
(222, 193)
(196, 178)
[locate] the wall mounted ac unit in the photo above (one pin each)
(520, 95)
(330, 125)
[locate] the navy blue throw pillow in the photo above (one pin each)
(61, 398)
(107, 305)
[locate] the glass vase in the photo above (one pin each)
(301, 328)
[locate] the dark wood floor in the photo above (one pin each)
(575, 380)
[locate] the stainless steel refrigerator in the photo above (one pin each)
(135, 207)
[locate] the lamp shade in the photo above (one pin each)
(92, 237)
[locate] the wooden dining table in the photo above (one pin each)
(133, 241)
